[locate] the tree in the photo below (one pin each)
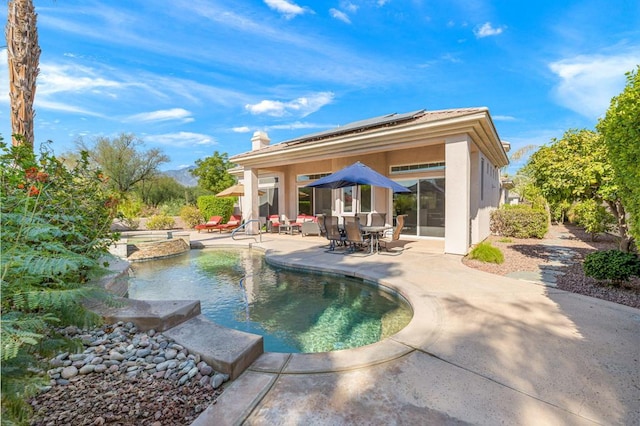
(122, 161)
(23, 53)
(161, 189)
(576, 168)
(620, 130)
(212, 172)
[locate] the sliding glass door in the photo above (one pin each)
(424, 206)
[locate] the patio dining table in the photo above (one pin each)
(375, 232)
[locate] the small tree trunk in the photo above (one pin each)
(618, 211)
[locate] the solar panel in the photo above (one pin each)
(358, 125)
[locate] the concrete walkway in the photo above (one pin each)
(480, 349)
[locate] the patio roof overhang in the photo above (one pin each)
(430, 129)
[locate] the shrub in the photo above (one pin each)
(191, 216)
(129, 211)
(55, 230)
(485, 252)
(593, 217)
(210, 205)
(614, 265)
(160, 221)
(519, 222)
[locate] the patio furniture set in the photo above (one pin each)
(362, 232)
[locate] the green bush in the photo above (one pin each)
(614, 265)
(129, 211)
(55, 230)
(191, 216)
(485, 252)
(160, 221)
(593, 217)
(210, 205)
(519, 222)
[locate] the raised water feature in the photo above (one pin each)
(150, 245)
(293, 311)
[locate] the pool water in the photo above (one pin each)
(293, 311)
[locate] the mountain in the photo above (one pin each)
(183, 176)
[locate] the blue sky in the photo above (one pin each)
(196, 76)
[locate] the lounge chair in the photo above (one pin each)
(233, 223)
(393, 241)
(212, 223)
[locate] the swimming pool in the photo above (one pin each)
(293, 311)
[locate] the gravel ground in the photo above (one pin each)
(531, 254)
(139, 382)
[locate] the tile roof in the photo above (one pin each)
(384, 121)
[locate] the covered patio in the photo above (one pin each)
(448, 160)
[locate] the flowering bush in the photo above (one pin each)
(55, 229)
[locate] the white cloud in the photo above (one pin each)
(64, 107)
(347, 5)
(339, 15)
(241, 129)
(503, 118)
(55, 79)
(588, 82)
(301, 106)
(181, 139)
(382, 2)
(299, 125)
(487, 30)
(287, 9)
(179, 114)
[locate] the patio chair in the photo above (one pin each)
(355, 238)
(333, 234)
(389, 242)
(288, 226)
(210, 224)
(364, 218)
(273, 223)
(378, 219)
(233, 222)
(320, 220)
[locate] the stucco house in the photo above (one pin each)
(449, 159)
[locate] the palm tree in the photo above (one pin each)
(23, 54)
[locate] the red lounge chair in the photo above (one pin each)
(233, 222)
(213, 222)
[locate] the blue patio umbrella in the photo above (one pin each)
(357, 174)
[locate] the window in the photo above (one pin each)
(417, 167)
(347, 199)
(482, 178)
(304, 178)
(366, 198)
(313, 201)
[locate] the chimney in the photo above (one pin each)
(259, 140)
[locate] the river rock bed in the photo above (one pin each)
(126, 377)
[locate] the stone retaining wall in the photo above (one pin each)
(157, 249)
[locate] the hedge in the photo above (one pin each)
(520, 222)
(210, 205)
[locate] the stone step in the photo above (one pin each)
(159, 315)
(226, 350)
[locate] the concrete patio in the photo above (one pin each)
(480, 349)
